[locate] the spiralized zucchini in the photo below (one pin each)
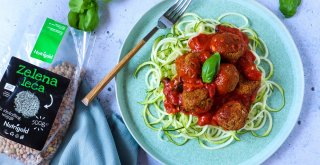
(180, 128)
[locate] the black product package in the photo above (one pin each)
(30, 98)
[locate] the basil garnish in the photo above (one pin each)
(210, 68)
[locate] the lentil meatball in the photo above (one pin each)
(230, 46)
(197, 101)
(227, 79)
(231, 115)
(246, 87)
(188, 66)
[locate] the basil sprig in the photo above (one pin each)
(210, 68)
(289, 7)
(83, 14)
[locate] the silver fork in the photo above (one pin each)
(167, 20)
(170, 17)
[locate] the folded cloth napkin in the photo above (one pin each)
(94, 139)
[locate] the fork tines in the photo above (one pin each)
(177, 10)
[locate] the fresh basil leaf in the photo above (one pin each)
(73, 19)
(210, 68)
(289, 7)
(92, 19)
(82, 23)
(83, 14)
(75, 5)
(87, 5)
(89, 20)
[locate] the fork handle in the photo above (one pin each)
(98, 88)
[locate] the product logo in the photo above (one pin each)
(16, 127)
(43, 54)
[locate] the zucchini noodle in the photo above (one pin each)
(180, 128)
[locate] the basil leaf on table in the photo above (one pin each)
(289, 7)
(210, 68)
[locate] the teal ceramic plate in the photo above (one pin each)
(250, 150)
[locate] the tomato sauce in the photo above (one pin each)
(200, 43)
(189, 76)
(247, 66)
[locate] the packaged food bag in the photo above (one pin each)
(40, 73)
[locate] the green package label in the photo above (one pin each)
(48, 40)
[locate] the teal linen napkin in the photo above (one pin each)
(93, 139)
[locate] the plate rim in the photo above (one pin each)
(281, 139)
